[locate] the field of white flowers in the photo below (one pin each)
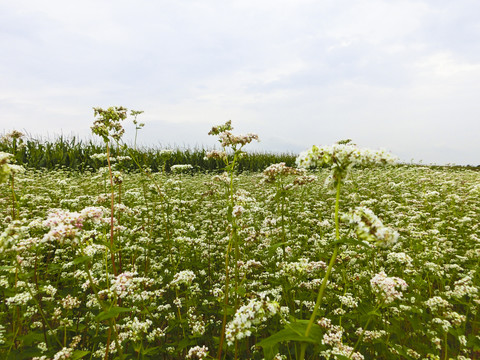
(370, 262)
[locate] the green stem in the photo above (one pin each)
(13, 199)
(233, 238)
(446, 346)
(360, 337)
(327, 275)
(112, 252)
(43, 315)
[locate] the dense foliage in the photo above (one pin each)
(171, 253)
(76, 154)
(358, 258)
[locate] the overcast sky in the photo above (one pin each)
(397, 74)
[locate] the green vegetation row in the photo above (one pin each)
(76, 154)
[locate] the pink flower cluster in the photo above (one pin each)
(64, 224)
(388, 289)
(228, 139)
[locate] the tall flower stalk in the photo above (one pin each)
(232, 146)
(108, 126)
(8, 171)
(340, 158)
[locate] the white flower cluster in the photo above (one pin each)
(226, 138)
(108, 122)
(7, 169)
(400, 258)
(333, 337)
(348, 300)
(343, 156)
(99, 157)
(165, 152)
(69, 302)
(64, 224)
(271, 173)
(248, 316)
(388, 289)
(197, 352)
(135, 329)
(64, 353)
(301, 266)
(123, 284)
(436, 303)
(463, 287)
(19, 299)
(369, 335)
(215, 154)
(179, 168)
(185, 277)
(370, 228)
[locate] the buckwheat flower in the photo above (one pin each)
(7, 169)
(227, 139)
(400, 258)
(388, 289)
(444, 324)
(333, 336)
(93, 213)
(304, 180)
(348, 300)
(65, 353)
(238, 210)
(136, 329)
(220, 128)
(369, 335)
(370, 228)
(247, 317)
(185, 277)
(463, 287)
(341, 157)
(69, 302)
(341, 349)
(123, 284)
(179, 168)
(108, 122)
(155, 334)
(117, 177)
(165, 152)
(19, 299)
(271, 173)
(436, 303)
(215, 154)
(197, 352)
(2, 334)
(325, 323)
(42, 346)
(99, 157)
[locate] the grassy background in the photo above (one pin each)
(75, 154)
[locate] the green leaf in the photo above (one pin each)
(341, 357)
(151, 351)
(78, 354)
(81, 260)
(112, 312)
(294, 331)
(30, 338)
(352, 242)
(241, 291)
(274, 247)
(374, 312)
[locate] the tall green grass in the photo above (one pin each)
(75, 154)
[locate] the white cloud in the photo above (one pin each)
(397, 74)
